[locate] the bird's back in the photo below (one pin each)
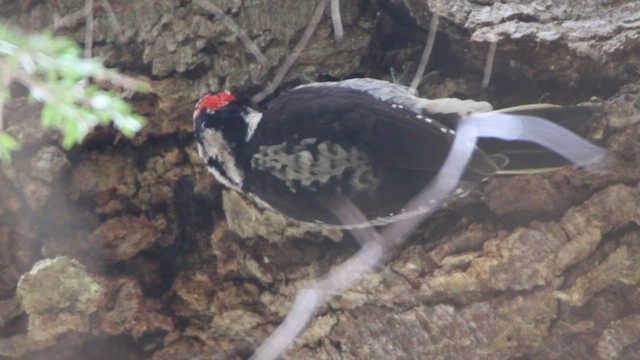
(317, 143)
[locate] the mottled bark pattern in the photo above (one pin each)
(128, 249)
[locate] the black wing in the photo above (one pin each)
(394, 136)
(404, 149)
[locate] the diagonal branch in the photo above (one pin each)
(297, 50)
(114, 20)
(251, 47)
(370, 255)
(375, 244)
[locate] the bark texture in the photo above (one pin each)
(128, 249)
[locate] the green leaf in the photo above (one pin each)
(57, 76)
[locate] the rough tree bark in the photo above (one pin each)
(140, 254)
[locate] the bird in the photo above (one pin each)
(370, 141)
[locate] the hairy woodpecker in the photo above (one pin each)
(368, 140)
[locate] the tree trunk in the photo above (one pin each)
(143, 255)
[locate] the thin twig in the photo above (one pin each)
(297, 50)
(426, 54)
(251, 47)
(88, 31)
(114, 20)
(310, 299)
(488, 67)
(377, 244)
(338, 31)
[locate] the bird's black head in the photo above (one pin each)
(222, 126)
(223, 113)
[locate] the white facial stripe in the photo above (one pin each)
(214, 146)
(221, 178)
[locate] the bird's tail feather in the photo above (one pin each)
(525, 157)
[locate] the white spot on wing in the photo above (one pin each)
(310, 165)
